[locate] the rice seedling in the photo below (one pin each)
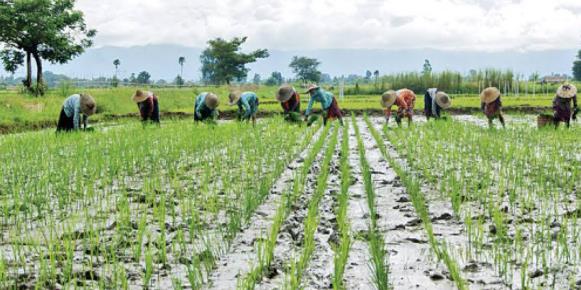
(342, 249)
(379, 256)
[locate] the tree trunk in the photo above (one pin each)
(28, 81)
(39, 80)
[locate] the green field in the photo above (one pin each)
(21, 112)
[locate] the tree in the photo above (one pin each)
(143, 78)
(577, 67)
(427, 70)
(275, 79)
(376, 75)
(306, 69)
(368, 75)
(179, 81)
(49, 30)
(222, 61)
(181, 61)
(256, 79)
(116, 63)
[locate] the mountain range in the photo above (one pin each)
(161, 61)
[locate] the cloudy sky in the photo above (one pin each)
(481, 25)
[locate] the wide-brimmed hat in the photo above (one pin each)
(489, 95)
(88, 105)
(443, 100)
(234, 97)
(388, 98)
(211, 101)
(567, 91)
(140, 96)
(284, 93)
(311, 87)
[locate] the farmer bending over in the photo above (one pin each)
(328, 103)
(205, 107)
(404, 99)
(434, 102)
(76, 109)
(562, 105)
(148, 106)
(247, 103)
(491, 105)
(290, 101)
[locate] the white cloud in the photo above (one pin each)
(489, 25)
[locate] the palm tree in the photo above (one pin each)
(181, 61)
(116, 63)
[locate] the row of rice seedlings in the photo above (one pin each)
(265, 247)
(379, 256)
(344, 228)
(413, 188)
(311, 223)
(530, 173)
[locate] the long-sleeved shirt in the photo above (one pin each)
(293, 104)
(200, 107)
(321, 96)
(247, 104)
(431, 106)
(562, 108)
(405, 101)
(491, 109)
(149, 109)
(72, 108)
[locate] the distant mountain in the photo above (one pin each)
(162, 61)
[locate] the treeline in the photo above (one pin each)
(454, 82)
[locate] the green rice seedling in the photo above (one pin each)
(342, 249)
(379, 256)
(413, 188)
(148, 267)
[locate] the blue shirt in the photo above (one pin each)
(72, 108)
(321, 96)
(200, 105)
(248, 103)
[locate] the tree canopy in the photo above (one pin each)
(306, 69)
(577, 67)
(49, 30)
(222, 61)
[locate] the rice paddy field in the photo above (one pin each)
(439, 205)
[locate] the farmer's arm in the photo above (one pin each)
(297, 101)
(246, 106)
(198, 107)
(77, 117)
(435, 108)
(309, 106)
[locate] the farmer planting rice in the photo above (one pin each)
(247, 103)
(562, 105)
(491, 105)
(405, 101)
(290, 101)
(205, 107)
(328, 103)
(148, 106)
(434, 102)
(76, 110)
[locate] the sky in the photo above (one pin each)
(467, 25)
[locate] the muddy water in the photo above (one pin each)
(478, 268)
(242, 255)
(357, 271)
(412, 265)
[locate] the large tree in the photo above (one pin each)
(49, 30)
(222, 61)
(306, 69)
(577, 67)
